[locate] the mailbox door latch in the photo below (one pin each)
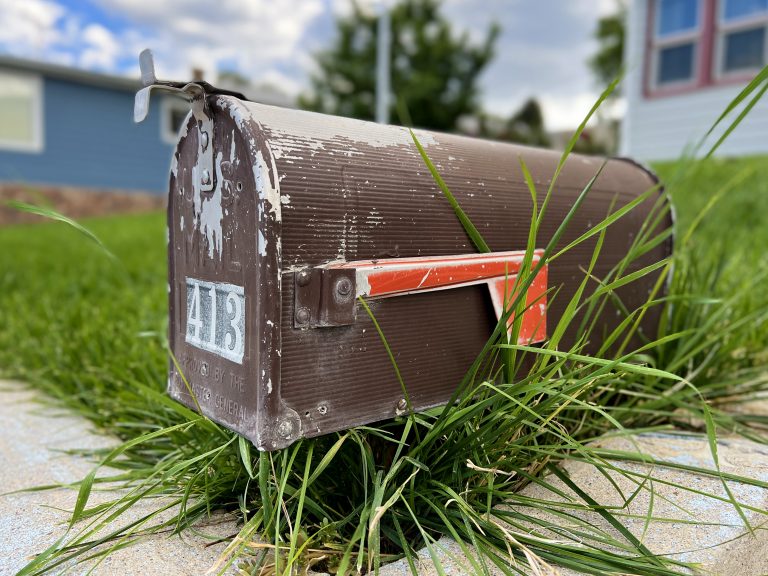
(324, 297)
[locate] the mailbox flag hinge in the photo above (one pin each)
(325, 296)
(195, 93)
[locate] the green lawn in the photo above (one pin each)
(89, 330)
(740, 219)
(78, 323)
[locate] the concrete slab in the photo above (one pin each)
(687, 525)
(31, 442)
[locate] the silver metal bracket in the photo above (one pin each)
(195, 94)
(324, 298)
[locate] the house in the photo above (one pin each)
(686, 60)
(68, 127)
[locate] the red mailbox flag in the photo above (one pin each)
(498, 270)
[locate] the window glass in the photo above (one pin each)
(675, 64)
(744, 50)
(676, 16)
(19, 99)
(735, 9)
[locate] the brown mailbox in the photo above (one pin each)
(280, 220)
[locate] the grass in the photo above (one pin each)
(722, 263)
(88, 329)
(80, 325)
(739, 221)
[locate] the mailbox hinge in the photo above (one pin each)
(323, 298)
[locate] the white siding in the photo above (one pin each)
(660, 128)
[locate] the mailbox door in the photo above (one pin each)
(222, 280)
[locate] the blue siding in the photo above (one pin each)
(90, 139)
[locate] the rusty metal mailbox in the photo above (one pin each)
(280, 220)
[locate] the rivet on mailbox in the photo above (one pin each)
(280, 220)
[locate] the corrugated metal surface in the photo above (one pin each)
(660, 128)
(392, 207)
(90, 140)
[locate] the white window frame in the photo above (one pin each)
(658, 43)
(168, 105)
(38, 121)
(739, 24)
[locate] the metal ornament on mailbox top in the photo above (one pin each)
(279, 220)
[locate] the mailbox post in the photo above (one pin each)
(280, 220)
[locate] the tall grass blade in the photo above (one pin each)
(58, 217)
(469, 228)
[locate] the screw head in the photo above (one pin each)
(302, 315)
(402, 405)
(322, 409)
(344, 286)
(285, 429)
(204, 140)
(303, 278)
(205, 177)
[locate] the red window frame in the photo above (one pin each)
(705, 59)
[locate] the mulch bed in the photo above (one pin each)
(73, 202)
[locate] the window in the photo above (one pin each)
(693, 44)
(21, 112)
(174, 112)
(675, 42)
(741, 41)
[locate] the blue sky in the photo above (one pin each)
(541, 52)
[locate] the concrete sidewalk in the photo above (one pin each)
(687, 526)
(31, 442)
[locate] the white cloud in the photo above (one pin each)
(566, 111)
(595, 8)
(257, 38)
(102, 48)
(28, 27)
(344, 7)
(253, 35)
(261, 39)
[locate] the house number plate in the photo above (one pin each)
(216, 318)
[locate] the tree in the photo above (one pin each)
(607, 62)
(527, 125)
(433, 71)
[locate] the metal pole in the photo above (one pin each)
(383, 42)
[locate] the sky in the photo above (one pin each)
(542, 50)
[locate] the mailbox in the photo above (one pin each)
(280, 220)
